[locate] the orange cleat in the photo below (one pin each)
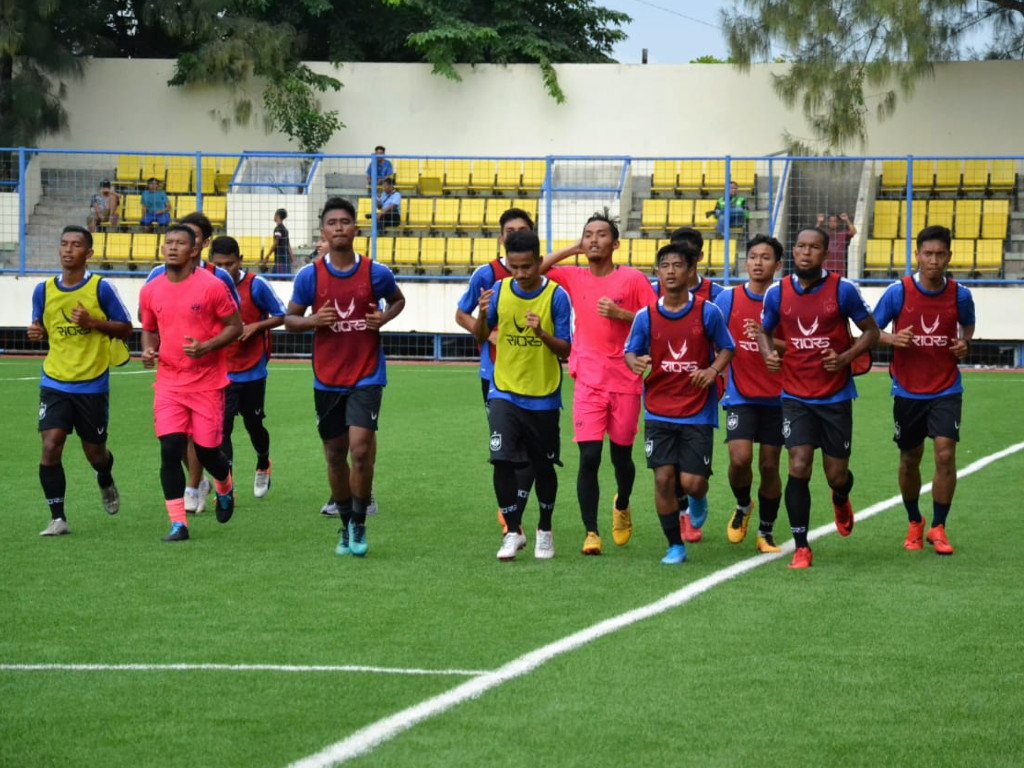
(687, 530)
(844, 516)
(937, 538)
(801, 558)
(915, 535)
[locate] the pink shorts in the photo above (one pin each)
(199, 414)
(596, 413)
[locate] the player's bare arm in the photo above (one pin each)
(560, 347)
(230, 332)
(638, 364)
(705, 377)
(119, 330)
(297, 321)
(377, 318)
(480, 328)
(867, 339)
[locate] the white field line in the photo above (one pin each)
(291, 668)
(365, 739)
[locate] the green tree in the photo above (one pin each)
(851, 56)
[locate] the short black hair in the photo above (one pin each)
(80, 230)
(604, 216)
(226, 246)
(819, 230)
(776, 246)
(514, 213)
(680, 248)
(523, 241)
(152, 178)
(688, 235)
(935, 232)
(182, 228)
(379, 147)
(336, 204)
(201, 220)
(282, 213)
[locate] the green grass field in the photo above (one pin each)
(875, 656)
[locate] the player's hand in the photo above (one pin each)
(35, 332)
(845, 217)
(640, 364)
(149, 356)
(533, 321)
(374, 318)
(703, 378)
(484, 303)
(773, 362)
(608, 308)
(193, 347)
(904, 338)
(959, 348)
(751, 329)
(831, 361)
(326, 315)
(247, 331)
(493, 337)
(81, 316)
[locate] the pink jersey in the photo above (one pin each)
(194, 307)
(598, 342)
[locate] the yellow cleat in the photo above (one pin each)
(766, 544)
(622, 524)
(737, 529)
(592, 544)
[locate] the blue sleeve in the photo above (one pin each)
(155, 272)
(724, 301)
(225, 277)
(851, 303)
(110, 302)
(492, 308)
(639, 340)
(304, 287)
(561, 309)
(384, 284)
(266, 298)
(38, 301)
(770, 307)
(717, 329)
(889, 305)
(481, 280)
(965, 305)
(715, 290)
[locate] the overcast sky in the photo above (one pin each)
(672, 31)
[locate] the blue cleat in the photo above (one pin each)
(698, 511)
(343, 548)
(179, 532)
(676, 554)
(225, 506)
(357, 539)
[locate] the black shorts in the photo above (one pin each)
(521, 436)
(829, 427)
(86, 414)
(756, 423)
(245, 398)
(914, 419)
(337, 411)
(687, 447)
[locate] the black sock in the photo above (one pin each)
(742, 494)
(839, 496)
(939, 513)
(506, 492)
(683, 500)
(262, 461)
(913, 507)
(359, 506)
(344, 510)
(670, 527)
(546, 512)
(625, 473)
(798, 506)
(768, 512)
(54, 485)
(104, 475)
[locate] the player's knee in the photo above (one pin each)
(172, 448)
(590, 455)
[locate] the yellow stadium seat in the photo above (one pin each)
(922, 175)
(131, 210)
(900, 256)
(714, 176)
(251, 248)
(918, 216)
(207, 184)
(432, 167)
(1003, 176)
(471, 213)
(431, 179)
(878, 257)
(716, 255)
(665, 176)
(484, 249)
(483, 176)
(407, 174)
(947, 175)
(894, 175)
(743, 173)
(179, 181)
(527, 204)
(459, 252)
(691, 175)
(962, 259)
(492, 216)
(975, 176)
(182, 205)
(144, 247)
(534, 174)
(642, 252)
(995, 218)
(432, 253)
(216, 208)
(510, 175)
(446, 213)
(967, 221)
(680, 213)
(989, 256)
(560, 244)
(654, 215)
(419, 212)
(118, 250)
(176, 162)
(226, 167)
(364, 209)
(154, 166)
(361, 244)
(456, 175)
(99, 245)
(407, 252)
(940, 212)
(384, 251)
(129, 170)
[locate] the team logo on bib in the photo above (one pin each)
(42, 411)
(896, 432)
(648, 447)
(732, 421)
(787, 430)
(496, 441)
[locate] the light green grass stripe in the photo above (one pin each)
(232, 668)
(366, 739)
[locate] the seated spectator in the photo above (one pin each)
(384, 169)
(738, 211)
(104, 207)
(389, 206)
(156, 208)
(838, 240)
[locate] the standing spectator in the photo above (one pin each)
(104, 207)
(389, 207)
(525, 395)
(838, 240)
(933, 321)
(685, 342)
(384, 169)
(343, 289)
(812, 308)
(738, 213)
(261, 310)
(156, 208)
(188, 317)
(282, 244)
(82, 314)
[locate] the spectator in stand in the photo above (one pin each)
(384, 169)
(156, 208)
(738, 211)
(838, 240)
(104, 207)
(389, 207)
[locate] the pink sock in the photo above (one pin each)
(176, 510)
(222, 486)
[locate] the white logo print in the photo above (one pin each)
(897, 431)
(343, 324)
(100, 430)
(846, 444)
(929, 328)
(956, 425)
(648, 447)
(676, 365)
(373, 415)
(787, 430)
(495, 441)
(707, 460)
(808, 331)
(679, 354)
(42, 411)
(732, 421)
